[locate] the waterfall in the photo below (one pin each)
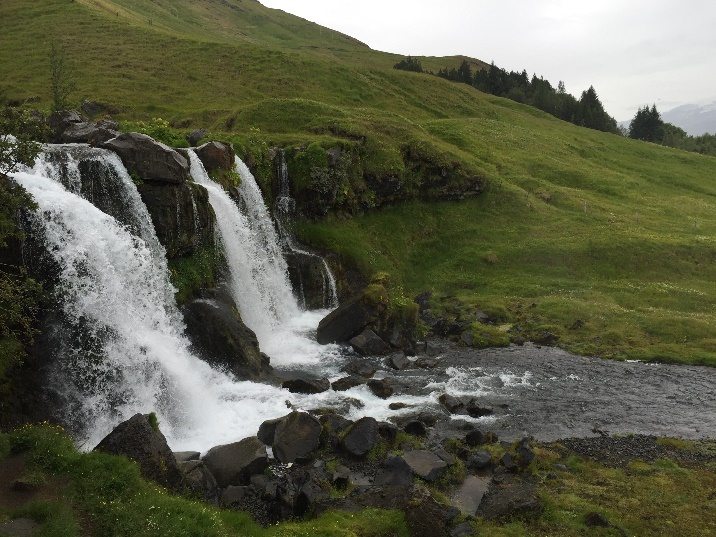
(124, 348)
(126, 351)
(285, 207)
(99, 176)
(258, 273)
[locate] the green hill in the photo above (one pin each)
(603, 242)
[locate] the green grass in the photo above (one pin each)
(605, 242)
(575, 226)
(107, 494)
(645, 499)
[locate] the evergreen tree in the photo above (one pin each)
(409, 64)
(647, 125)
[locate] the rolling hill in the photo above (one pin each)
(604, 242)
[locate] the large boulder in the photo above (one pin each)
(216, 156)
(361, 437)
(395, 472)
(296, 436)
(221, 338)
(368, 343)
(89, 133)
(346, 383)
(140, 439)
(352, 317)
(62, 119)
(152, 161)
(234, 464)
(182, 216)
(382, 388)
(305, 384)
(425, 464)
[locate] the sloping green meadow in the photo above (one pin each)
(606, 242)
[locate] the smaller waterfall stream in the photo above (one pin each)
(259, 275)
(285, 208)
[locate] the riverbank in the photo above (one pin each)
(61, 492)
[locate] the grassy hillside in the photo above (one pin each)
(608, 243)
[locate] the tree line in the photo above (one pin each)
(587, 111)
(648, 125)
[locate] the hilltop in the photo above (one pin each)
(599, 243)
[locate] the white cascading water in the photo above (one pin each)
(115, 291)
(112, 285)
(259, 275)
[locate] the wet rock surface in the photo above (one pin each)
(220, 337)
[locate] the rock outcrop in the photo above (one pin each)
(140, 439)
(234, 464)
(309, 280)
(216, 156)
(220, 337)
(151, 160)
(183, 219)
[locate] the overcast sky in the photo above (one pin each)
(634, 52)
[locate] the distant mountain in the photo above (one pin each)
(694, 119)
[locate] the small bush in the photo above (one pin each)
(485, 335)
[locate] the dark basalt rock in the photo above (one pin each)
(479, 461)
(307, 273)
(368, 343)
(138, 440)
(182, 216)
(510, 495)
(61, 120)
(195, 136)
(267, 431)
(381, 388)
(346, 383)
(234, 464)
(475, 410)
(349, 319)
(333, 427)
(220, 337)
(233, 495)
(216, 156)
(360, 368)
(89, 133)
(361, 437)
(475, 438)
(199, 480)
(387, 431)
(425, 464)
(451, 403)
(398, 362)
(296, 437)
(152, 161)
(394, 472)
(415, 428)
(307, 385)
